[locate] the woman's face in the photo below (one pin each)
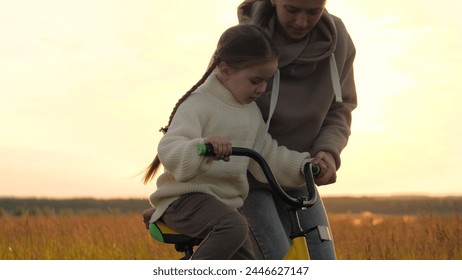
(297, 17)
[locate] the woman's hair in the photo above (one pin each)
(266, 12)
(240, 46)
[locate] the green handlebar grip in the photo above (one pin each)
(205, 150)
(201, 149)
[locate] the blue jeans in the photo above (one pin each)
(269, 222)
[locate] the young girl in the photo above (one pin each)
(199, 196)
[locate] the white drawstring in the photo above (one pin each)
(335, 79)
(274, 100)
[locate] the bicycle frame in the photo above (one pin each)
(298, 249)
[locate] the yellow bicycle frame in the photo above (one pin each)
(298, 250)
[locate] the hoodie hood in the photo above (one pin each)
(298, 58)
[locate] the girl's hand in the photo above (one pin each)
(328, 173)
(147, 216)
(221, 146)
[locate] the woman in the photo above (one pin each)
(313, 112)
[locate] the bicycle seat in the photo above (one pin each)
(183, 243)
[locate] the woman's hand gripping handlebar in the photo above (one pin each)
(309, 171)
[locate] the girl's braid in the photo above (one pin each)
(189, 92)
(151, 170)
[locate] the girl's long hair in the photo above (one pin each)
(151, 170)
(239, 47)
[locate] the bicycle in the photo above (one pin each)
(298, 250)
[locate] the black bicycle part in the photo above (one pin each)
(300, 202)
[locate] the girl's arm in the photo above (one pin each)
(287, 165)
(177, 150)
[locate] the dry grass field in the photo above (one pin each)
(123, 237)
(375, 237)
(78, 237)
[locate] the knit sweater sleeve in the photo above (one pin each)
(177, 150)
(286, 165)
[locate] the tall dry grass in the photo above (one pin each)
(123, 237)
(375, 237)
(78, 237)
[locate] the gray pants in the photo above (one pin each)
(269, 221)
(224, 230)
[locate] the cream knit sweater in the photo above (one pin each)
(213, 110)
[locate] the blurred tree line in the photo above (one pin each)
(35, 206)
(394, 205)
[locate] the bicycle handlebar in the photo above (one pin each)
(308, 170)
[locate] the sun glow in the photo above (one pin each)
(85, 87)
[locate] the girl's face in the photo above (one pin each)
(249, 83)
(297, 17)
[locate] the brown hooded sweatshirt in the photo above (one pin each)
(308, 115)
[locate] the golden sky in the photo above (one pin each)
(85, 86)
